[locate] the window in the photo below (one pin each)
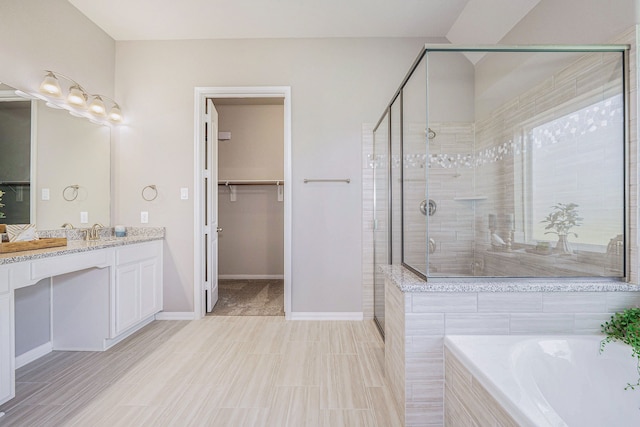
(578, 158)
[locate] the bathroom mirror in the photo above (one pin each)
(63, 169)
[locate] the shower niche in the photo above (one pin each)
(504, 162)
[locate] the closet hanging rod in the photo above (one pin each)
(252, 182)
(345, 180)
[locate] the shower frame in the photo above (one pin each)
(386, 116)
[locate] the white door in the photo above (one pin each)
(211, 228)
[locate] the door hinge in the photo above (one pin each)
(206, 174)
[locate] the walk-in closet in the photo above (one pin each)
(250, 206)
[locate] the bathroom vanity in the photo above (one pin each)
(101, 292)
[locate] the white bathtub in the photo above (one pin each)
(554, 380)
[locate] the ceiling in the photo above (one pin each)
(478, 21)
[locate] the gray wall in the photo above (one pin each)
(336, 85)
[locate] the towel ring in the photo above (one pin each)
(151, 196)
(74, 193)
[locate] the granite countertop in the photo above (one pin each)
(407, 281)
(76, 243)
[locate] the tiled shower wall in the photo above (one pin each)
(450, 184)
(368, 266)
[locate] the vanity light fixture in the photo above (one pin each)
(115, 115)
(77, 98)
(97, 107)
(50, 85)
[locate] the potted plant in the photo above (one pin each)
(1, 204)
(624, 327)
(561, 220)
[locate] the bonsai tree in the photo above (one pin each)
(561, 220)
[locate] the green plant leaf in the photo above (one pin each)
(624, 327)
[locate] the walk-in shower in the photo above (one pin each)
(519, 155)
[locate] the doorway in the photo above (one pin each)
(250, 207)
(209, 230)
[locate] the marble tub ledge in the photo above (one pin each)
(407, 281)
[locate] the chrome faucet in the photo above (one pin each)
(94, 232)
(67, 225)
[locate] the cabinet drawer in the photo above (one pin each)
(73, 262)
(138, 252)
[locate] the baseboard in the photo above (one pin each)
(33, 354)
(250, 276)
(108, 343)
(314, 315)
(175, 315)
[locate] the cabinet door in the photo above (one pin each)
(6, 348)
(150, 288)
(127, 297)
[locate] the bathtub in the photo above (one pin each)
(553, 380)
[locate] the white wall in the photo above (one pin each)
(52, 34)
(336, 85)
(557, 22)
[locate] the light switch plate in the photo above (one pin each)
(45, 194)
(144, 217)
(184, 193)
(84, 217)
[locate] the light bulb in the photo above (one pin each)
(115, 115)
(97, 107)
(77, 97)
(50, 85)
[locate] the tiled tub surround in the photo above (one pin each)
(420, 314)
(539, 381)
(467, 402)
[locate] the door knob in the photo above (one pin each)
(219, 229)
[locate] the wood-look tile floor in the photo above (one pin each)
(218, 371)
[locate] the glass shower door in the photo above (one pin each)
(381, 252)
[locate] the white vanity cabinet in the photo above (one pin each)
(137, 290)
(6, 339)
(100, 294)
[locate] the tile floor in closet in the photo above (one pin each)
(218, 371)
